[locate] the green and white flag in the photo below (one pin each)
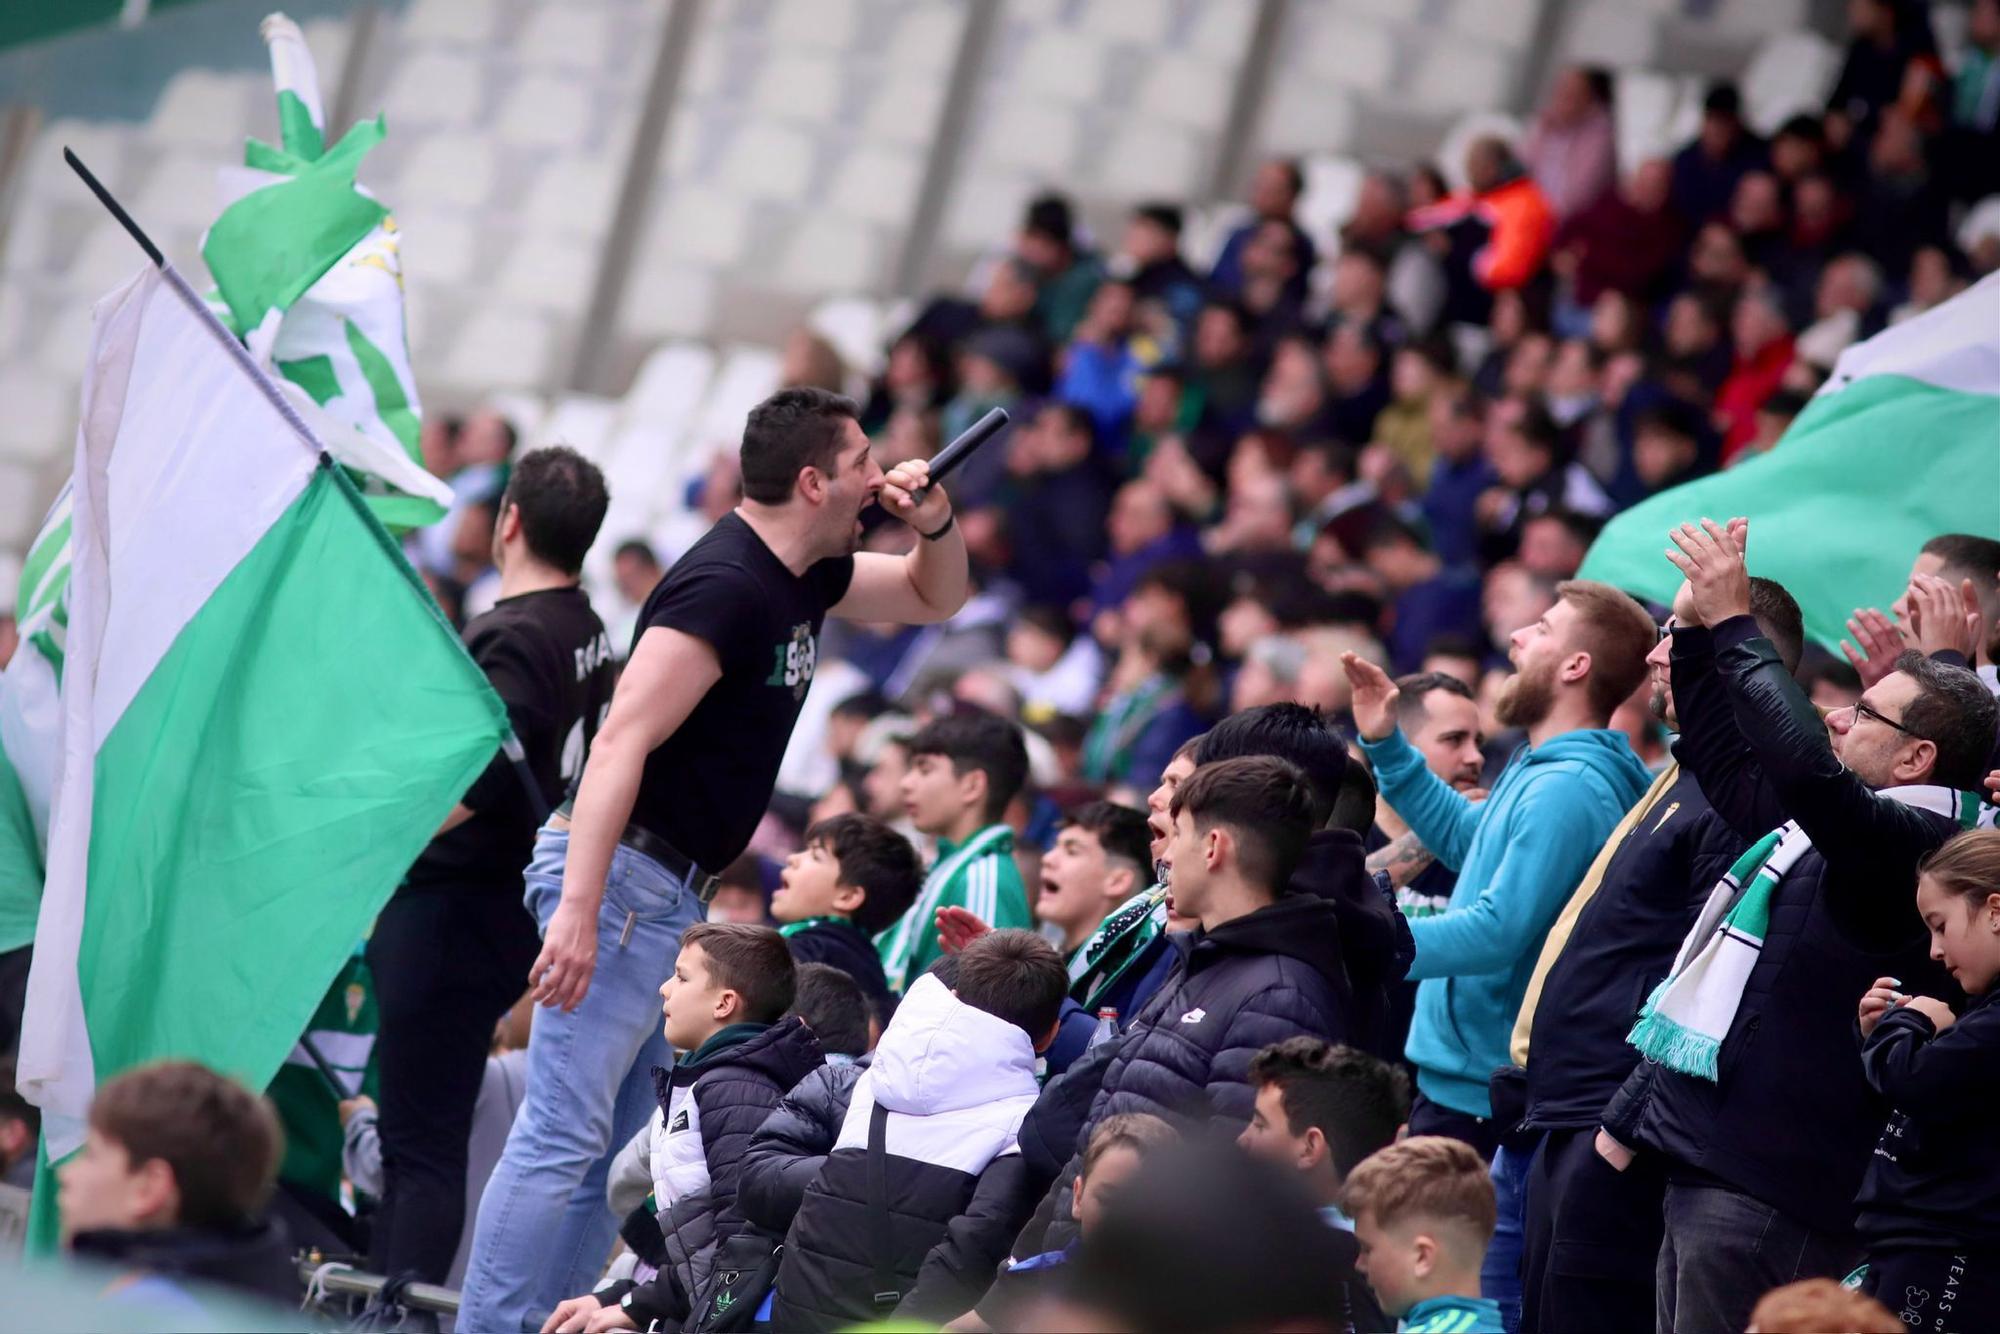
(1902, 444)
(264, 719)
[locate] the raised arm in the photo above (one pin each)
(929, 584)
(1435, 812)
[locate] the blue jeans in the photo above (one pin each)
(1500, 1276)
(544, 1230)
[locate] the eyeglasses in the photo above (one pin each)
(1861, 710)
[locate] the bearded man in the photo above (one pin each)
(1519, 854)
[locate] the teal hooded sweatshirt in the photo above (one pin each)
(1519, 855)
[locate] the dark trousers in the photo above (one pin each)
(1593, 1238)
(446, 966)
(1427, 1118)
(1723, 1250)
(14, 966)
(1942, 1291)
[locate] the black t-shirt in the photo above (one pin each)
(706, 787)
(549, 660)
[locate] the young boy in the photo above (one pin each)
(730, 985)
(1423, 1212)
(931, 1126)
(171, 1187)
(964, 769)
(832, 1005)
(852, 880)
(1100, 859)
(1320, 1110)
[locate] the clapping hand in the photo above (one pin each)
(1880, 645)
(1711, 555)
(959, 927)
(1375, 697)
(1939, 617)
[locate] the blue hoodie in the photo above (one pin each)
(1519, 856)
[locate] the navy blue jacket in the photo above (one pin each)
(847, 947)
(1791, 1120)
(1934, 1180)
(1623, 943)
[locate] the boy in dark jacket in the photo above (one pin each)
(852, 880)
(731, 982)
(1930, 1203)
(914, 1207)
(1762, 988)
(1262, 967)
(170, 1187)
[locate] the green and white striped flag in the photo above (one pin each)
(264, 719)
(1902, 444)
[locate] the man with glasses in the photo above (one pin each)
(1751, 1095)
(1592, 1235)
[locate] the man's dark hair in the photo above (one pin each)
(1119, 830)
(994, 746)
(1236, 310)
(1825, 667)
(1722, 99)
(1016, 976)
(834, 1008)
(1414, 688)
(221, 1140)
(1777, 615)
(1581, 527)
(1293, 733)
(876, 860)
(13, 1105)
(1050, 215)
(1295, 173)
(867, 705)
(1076, 418)
(752, 961)
(1955, 712)
(1598, 80)
(1354, 805)
(1355, 1100)
(1540, 429)
(790, 430)
(562, 500)
(639, 549)
(1163, 215)
(1390, 531)
(1265, 801)
(1964, 556)
(1051, 621)
(1676, 417)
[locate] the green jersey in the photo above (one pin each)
(978, 875)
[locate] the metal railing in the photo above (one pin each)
(336, 1278)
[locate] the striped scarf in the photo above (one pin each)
(1115, 945)
(1684, 1021)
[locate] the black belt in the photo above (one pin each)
(676, 863)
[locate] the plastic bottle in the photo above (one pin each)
(1107, 1029)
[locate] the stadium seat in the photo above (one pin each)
(983, 210)
(1037, 136)
(704, 226)
(1332, 185)
(769, 162)
(550, 273)
(573, 194)
(20, 491)
(433, 88)
(926, 38)
(827, 25)
(798, 87)
(180, 190)
(668, 300)
(745, 378)
(584, 422)
(1221, 33)
(1205, 230)
(827, 254)
(1508, 23)
(1182, 90)
(548, 112)
(1456, 77)
(1790, 73)
(455, 22)
(567, 36)
(856, 327)
(670, 385)
(506, 348)
(876, 185)
(904, 110)
(438, 248)
(1348, 53)
(1138, 22)
(41, 412)
(1766, 16)
(1609, 33)
(1059, 65)
(1145, 160)
(107, 258)
(202, 109)
(1305, 116)
(1645, 106)
(457, 170)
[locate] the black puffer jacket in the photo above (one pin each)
(710, 1106)
(1273, 974)
(253, 1260)
(1375, 942)
(791, 1146)
(1843, 915)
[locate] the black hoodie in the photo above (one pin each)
(1375, 943)
(255, 1259)
(1272, 974)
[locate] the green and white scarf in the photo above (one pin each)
(1684, 1021)
(1112, 949)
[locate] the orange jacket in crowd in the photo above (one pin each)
(1521, 228)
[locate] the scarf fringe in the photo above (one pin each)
(1660, 1039)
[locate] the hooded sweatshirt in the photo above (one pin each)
(1519, 856)
(956, 1082)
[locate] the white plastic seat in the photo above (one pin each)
(1348, 54)
(1790, 73)
(458, 22)
(1508, 23)
(827, 25)
(1462, 77)
(1644, 107)
(1610, 33)
(438, 248)
(179, 192)
(704, 226)
(547, 273)
(769, 162)
(926, 38)
(1181, 90)
(827, 254)
(670, 384)
(567, 36)
(546, 111)
(1221, 33)
(984, 209)
(804, 87)
(1060, 65)
(452, 170)
(904, 110)
(584, 422)
(575, 195)
(876, 185)
(1148, 160)
(668, 300)
(1138, 22)
(433, 88)
(500, 349)
(201, 108)
(1304, 116)
(747, 377)
(1038, 136)
(41, 408)
(855, 327)
(1332, 186)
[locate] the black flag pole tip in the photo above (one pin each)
(117, 209)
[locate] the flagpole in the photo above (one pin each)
(117, 210)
